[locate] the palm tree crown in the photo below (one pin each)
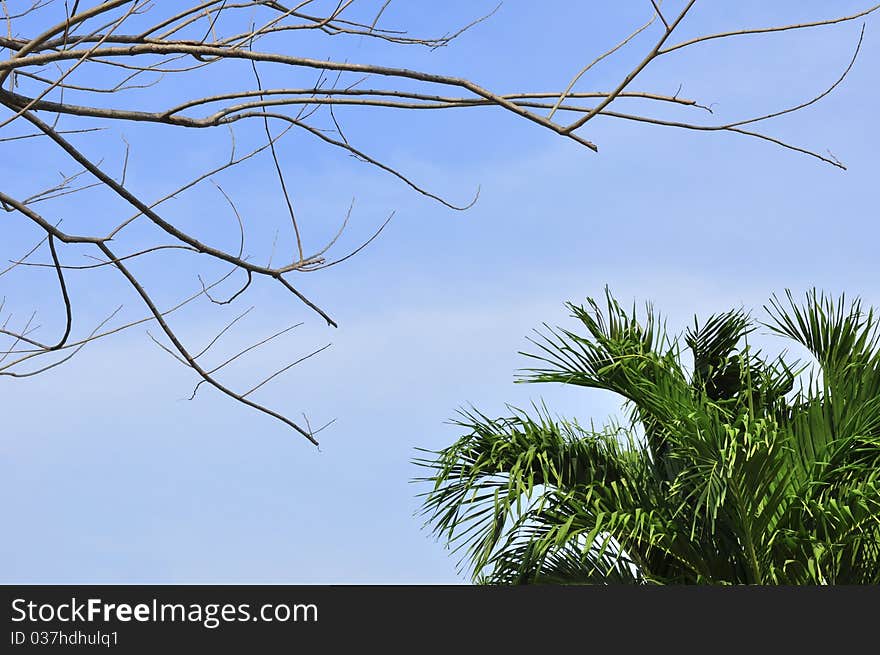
(732, 467)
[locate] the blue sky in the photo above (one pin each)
(109, 477)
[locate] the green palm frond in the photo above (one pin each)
(712, 344)
(741, 468)
(838, 334)
(483, 481)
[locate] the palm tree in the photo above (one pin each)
(731, 467)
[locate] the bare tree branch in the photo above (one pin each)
(70, 74)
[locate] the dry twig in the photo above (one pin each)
(91, 68)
